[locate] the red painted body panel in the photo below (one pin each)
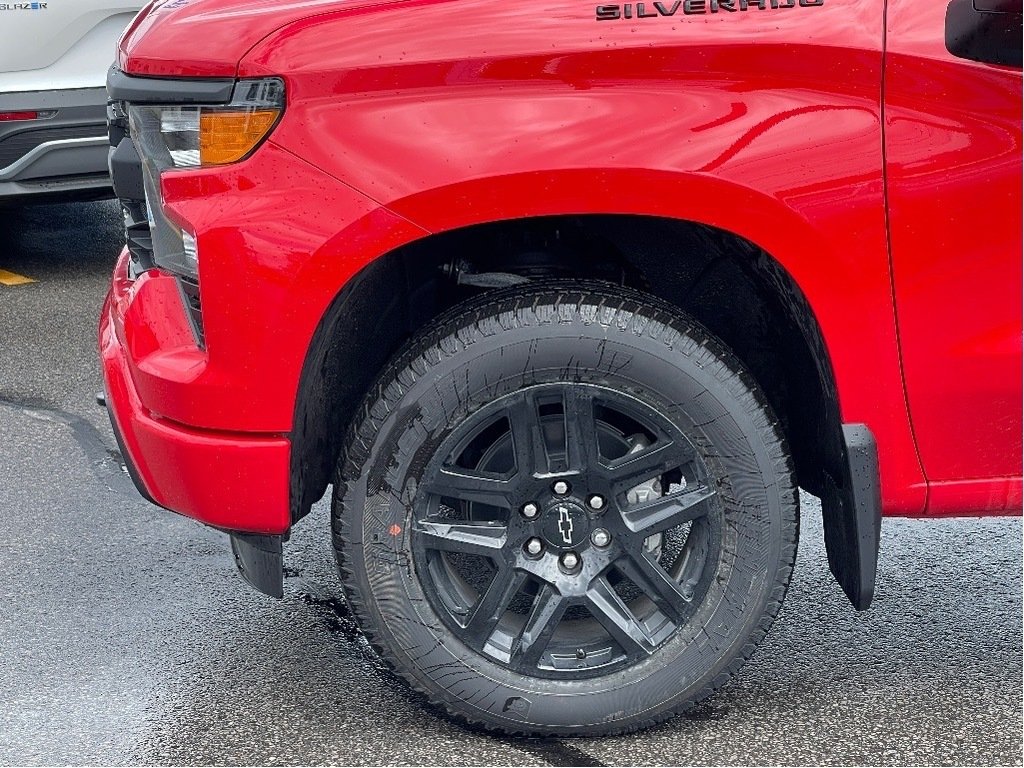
(766, 124)
(238, 482)
(163, 40)
(207, 429)
(416, 117)
(264, 290)
(953, 148)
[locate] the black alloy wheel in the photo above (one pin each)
(565, 532)
(565, 510)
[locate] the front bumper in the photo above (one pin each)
(203, 373)
(237, 482)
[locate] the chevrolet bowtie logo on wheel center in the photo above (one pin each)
(566, 524)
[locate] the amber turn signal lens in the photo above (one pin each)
(228, 136)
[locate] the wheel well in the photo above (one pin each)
(735, 289)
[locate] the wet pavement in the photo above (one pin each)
(126, 637)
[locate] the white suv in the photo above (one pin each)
(54, 56)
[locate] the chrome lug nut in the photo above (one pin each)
(570, 561)
(601, 538)
(560, 487)
(530, 510)
(595, 502)
(534, 546)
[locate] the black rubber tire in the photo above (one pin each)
(516, 338)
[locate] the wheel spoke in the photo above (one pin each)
(511, 492)
(492, 605)
(548, 609)
(581, 445)
(615, 616)
(635, 468)
(468, 485)
(669, 511)
(477, 538)
(527, 437)
(644, 571)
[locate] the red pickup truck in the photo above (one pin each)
(565, 300)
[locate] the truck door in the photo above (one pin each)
(952, 111)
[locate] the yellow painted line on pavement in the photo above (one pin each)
(12, 278)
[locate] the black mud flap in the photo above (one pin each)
(852, 512)
(260, 561)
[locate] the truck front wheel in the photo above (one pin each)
(565, 511)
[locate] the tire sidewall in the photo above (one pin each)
(657, 357)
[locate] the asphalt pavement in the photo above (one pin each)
(126, 636)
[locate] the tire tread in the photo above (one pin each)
(454, 330)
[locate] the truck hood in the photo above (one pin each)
(207, 38)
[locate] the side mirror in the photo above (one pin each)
(988, 31)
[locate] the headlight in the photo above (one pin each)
(193, 136)
(170, 137)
